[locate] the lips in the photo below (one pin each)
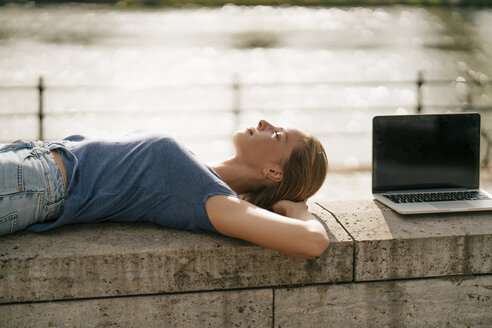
(250, 130)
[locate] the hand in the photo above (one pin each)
(297, 210)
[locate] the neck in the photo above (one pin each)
(240, 177)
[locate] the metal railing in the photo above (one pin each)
(237, 87)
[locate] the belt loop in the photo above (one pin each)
(41, 145)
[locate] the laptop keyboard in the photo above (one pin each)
(435, 197)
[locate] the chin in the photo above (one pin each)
(239, 139)
(236, 135)
(236, 138)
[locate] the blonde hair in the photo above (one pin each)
(303, 174)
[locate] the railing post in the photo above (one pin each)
(40, 109)
(420, 82)
(236, 89)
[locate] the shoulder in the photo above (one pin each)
(220, 208)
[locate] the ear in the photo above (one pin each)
(273, 174)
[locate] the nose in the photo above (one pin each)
(262, 125)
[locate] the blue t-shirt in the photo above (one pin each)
(137, 178)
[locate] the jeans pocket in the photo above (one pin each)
(8, 223)
(12, 165)
(32, 173)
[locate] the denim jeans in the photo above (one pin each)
(31, 185)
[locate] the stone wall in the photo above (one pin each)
(381, 269)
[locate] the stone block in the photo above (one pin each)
(389, 245)
(433, 302)
(247, 308)
(115, 259)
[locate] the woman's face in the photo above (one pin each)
(265, 144)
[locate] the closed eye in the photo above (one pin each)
(276, 135)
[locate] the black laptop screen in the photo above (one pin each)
(425, 151)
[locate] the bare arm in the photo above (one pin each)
(300, 235)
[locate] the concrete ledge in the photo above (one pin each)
(142, 275)
(393, 246)
(213, 309)
(114, 259)
(434, 302)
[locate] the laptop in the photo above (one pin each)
(428, 163)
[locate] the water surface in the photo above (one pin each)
(114, 70)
